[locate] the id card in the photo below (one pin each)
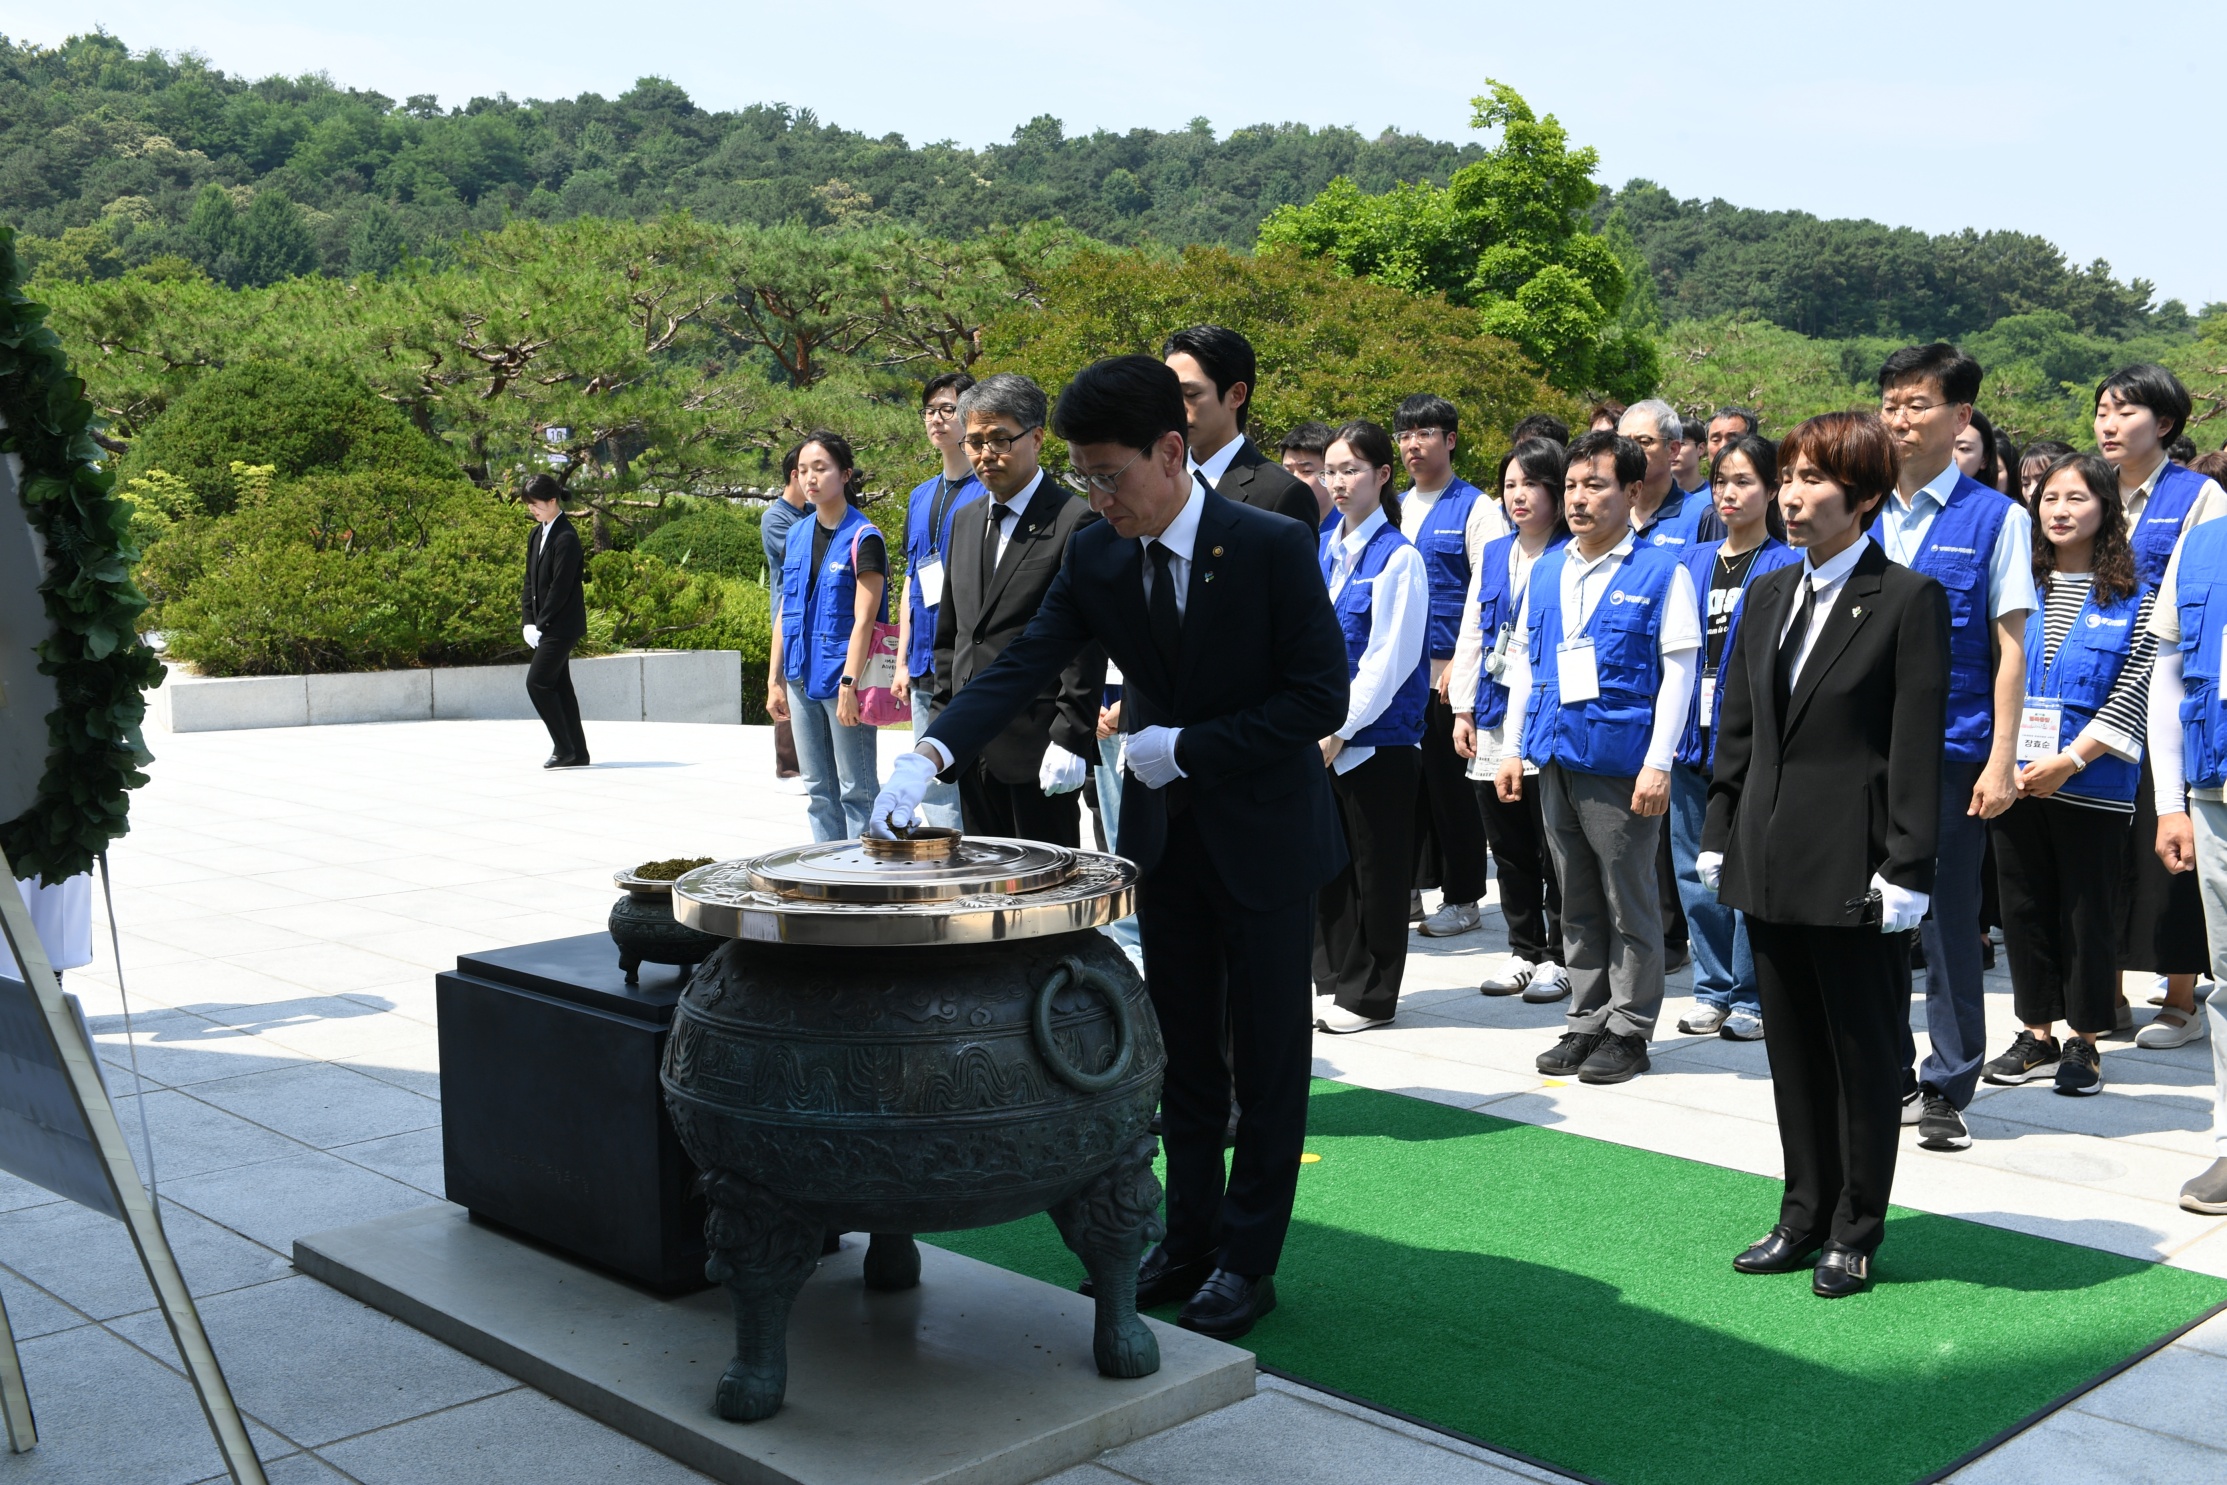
(1575, 672)
(1708, 699)
(2040, 725)
(929, 575)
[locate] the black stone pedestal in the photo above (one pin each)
(552, 1119)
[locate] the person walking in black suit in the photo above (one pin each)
(1823, 810)
(1004, 552)
(555, 618)
(1233, 667)
(1217, 370)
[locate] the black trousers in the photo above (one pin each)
(1449, 833)
(1361, 927)
(1834, 1001)
(1530, 897)
(1215, 966)
(2161, 929)
(549, 687)
(1666, 886)
(990, 806)
(2059, 870)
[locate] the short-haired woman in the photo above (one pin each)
(834, 575)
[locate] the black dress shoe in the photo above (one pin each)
(1840, 1273)
(1161, 1280)
(556, 762)
(1781, 1253)
(1228, 1305)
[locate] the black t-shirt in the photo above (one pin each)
(1724, 596)
(871, 555)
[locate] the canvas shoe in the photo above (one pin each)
(1453, 918)
(1549, 983)
(2028, 1058)
(1742, 1026)
(1703, 1020)
(2171, 1028)
(1510, 977)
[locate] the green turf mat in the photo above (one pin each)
(1575, 1301)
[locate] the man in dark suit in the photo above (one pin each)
(1823, 812)
(1234, 668)
(556, 619)
(1216, 369)
(1004, 553)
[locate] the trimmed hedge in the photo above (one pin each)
(720, 539)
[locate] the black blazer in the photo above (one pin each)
(1256, 480)
(1262, 681)
(1806, 808)
(551, 599)
(973, 628)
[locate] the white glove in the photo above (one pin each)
(532, 635)
(1062, 773)
(899, 801)
(1709, 866)
(1899, 909)
(1151, 756)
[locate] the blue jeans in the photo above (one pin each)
(1955, 1019)
(842, 771)
(1108, 777)
(1723, 966)
(940, 805)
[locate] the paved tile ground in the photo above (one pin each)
(287, 895)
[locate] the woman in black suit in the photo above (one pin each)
(1821, 828)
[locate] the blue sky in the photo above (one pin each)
(2089, 124)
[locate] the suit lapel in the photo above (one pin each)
(1198, 603)
(1849, 611)
(1028, 528)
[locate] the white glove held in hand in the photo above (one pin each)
(1709, 866)
(532, 635)
(1899, 908)
(1062, 773)
(1151, 756)
(899, 801)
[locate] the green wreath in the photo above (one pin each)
(101, 668)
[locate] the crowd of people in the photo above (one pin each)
(1980, 690)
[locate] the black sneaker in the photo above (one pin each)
(1568, 1055)
(2081, 1071)
(1940, 1126)
(1620, 1057)
(2029, 1057)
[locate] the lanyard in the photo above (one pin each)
(939, 509)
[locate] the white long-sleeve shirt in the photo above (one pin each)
(1399, 622)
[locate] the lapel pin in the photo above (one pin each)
(1208, 577)
(1857, 612)
(1217, 551)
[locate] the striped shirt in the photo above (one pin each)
(2120, 722)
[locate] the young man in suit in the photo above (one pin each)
(1233, 667)
(1217, 370)
(555, 619)
(930, 512)
(1977, 543)
(1602, 673)
(1823, 809)
(1005, 549)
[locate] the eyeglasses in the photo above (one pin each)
(941, 412)
(1889, 411)
(995, 443)
(1407, 436)
(1347, 472)
(1104, 484)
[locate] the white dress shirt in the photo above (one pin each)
(1399, 621)
(2010, 567)
(1826, 582)
(1677, 645)
(1182, 534)
(1217, 463)
(1006, 513)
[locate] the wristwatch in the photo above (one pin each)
(847, 681)
(2079, 764)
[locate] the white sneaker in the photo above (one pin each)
(1339, 1021)
(1742, 1026)
(1703, 1020)
(1513, 974)
(1453, 918)
(1549, 983)
(2171, 1028)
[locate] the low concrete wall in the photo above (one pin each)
(643, 686)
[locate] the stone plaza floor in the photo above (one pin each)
(286, 896)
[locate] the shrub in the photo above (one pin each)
(721, 539)
(637, 602)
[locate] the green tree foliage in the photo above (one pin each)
(1330, 346)
(1746, 361)
(1507, 235)
(638, 602)
(717, 539)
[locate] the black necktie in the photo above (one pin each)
(990, 535)
(1167, 623)
(1790, 648)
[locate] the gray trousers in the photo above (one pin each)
(1612, 917)
(2209, 817)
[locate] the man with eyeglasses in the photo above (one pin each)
(1978, 544)
(1233, 668)
(1218, 372)
(929, 513)
(1005, 549)
(1662, 514)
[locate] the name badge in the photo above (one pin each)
(929, 575)
(1708, 699)
(1575, 672)
(2040, 726)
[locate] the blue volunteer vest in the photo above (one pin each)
(1607, 735)
(2080, 677)
(1676, 520)
(2170, 498)
(1443, 540)
(2200, 589)
(923, 546)
(816, 617)
(1955, 554)
(1400, 724)
(1701, 565)
(1498, 604)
